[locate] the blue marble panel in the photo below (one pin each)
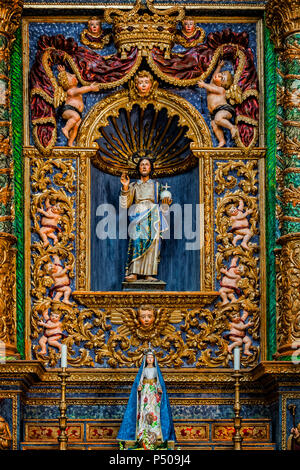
(213, 412)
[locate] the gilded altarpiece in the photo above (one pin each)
(191, 321)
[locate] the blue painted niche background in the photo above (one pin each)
(179, 268)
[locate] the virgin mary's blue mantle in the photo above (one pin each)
(127, 430)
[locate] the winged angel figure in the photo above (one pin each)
(146, 324)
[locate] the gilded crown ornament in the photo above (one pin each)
(153, 28)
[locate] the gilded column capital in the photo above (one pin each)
(288, 295)
(10, 16)
(283, 19)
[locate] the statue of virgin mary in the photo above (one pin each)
(148, 419)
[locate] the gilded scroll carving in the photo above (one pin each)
(288, 294)
(8, 292)
(110, 331)
(53, 261)
(236, 260)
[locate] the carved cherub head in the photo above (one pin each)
(143, 83)
(146, 316)
(188, 26)
(57, 209)
(223, 79)
(65, 79)
(232, 210)
(55, 316)
(235, 317)
(94, 26)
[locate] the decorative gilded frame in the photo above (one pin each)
(285, 396)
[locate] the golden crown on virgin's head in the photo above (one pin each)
(146, 29)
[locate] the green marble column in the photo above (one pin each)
(283, 20)
(10, 15)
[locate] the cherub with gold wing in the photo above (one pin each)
(145, 323)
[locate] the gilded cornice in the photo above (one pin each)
(283, 19)
(228, 153)
(10, 16)
(22, 370)
(60, 152)
(118, 299)
(35, 372)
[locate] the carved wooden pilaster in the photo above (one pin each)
(8, 294)
(10, 15)
(288, 283)
(283, 20)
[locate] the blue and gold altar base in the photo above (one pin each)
(201, 402)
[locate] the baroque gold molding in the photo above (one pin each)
(94, 301)
(144, 31)
(34, 372)
(135, 299)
